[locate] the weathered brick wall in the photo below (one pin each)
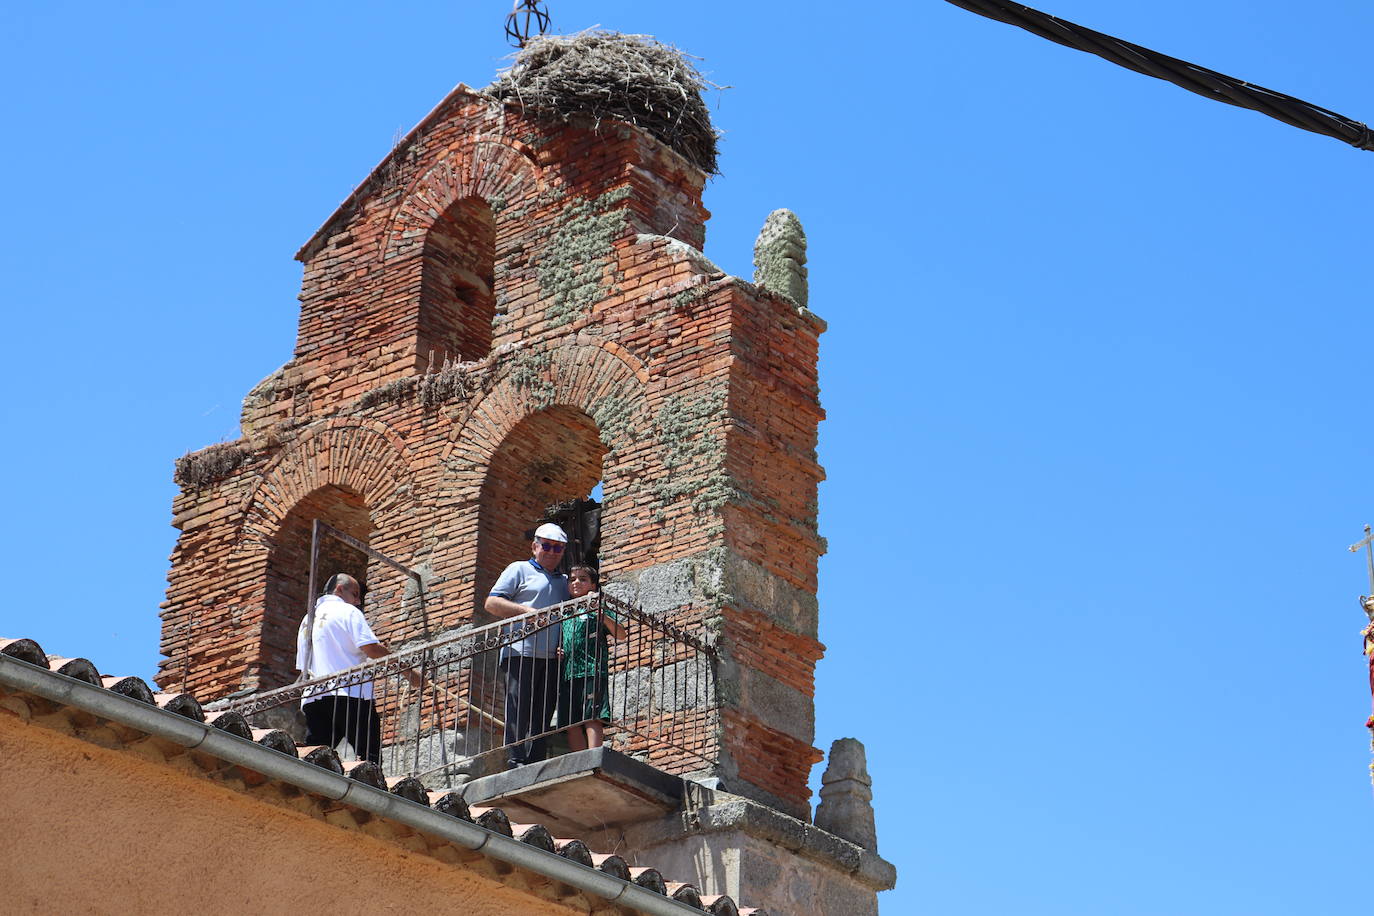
(503, 314)
(288, 572)
(457, 285)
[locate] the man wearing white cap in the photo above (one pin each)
(531, 664)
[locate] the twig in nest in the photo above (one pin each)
(607, 75)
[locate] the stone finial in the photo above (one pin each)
(780, 256)
(846, 807)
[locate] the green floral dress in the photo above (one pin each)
(584, 692)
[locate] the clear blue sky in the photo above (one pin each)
(1096, 374)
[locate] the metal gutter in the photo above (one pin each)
(191, 734)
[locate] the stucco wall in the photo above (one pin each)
(88, 829)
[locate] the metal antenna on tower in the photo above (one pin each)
(526, 20)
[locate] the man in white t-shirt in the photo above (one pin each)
(340, 639)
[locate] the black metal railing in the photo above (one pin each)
(443, 707)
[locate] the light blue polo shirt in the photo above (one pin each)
(532, 585)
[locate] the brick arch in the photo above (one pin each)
(484, 166)
(598, 378)
(551, 455)
(584, 381)
(286, 573)
(365, 457)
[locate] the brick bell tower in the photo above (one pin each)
(512, 307)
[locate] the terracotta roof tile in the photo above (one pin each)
(407, 788)
(450, 803)
(276, 739)
(135, 688)
(367, 773)
(234, 723)
(78, 668)
(684, 893)
(321, 756)
(536, 835)
(183, 704)
(719, 905)
(26, 650)
(612, 865)
(493, 819)
(575, 850)
(649, 878)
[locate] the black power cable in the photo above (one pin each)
(1207, 83)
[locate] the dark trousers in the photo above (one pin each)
(329, 719)
(531, 697)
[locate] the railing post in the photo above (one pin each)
(310, 600)
(438, 714)
(650, 644)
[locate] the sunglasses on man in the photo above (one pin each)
(551, 546)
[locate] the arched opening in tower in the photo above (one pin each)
(551, 458)
(288, 573)
(457, 299)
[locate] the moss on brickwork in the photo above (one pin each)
(686, 300)
(579, 257)
(194, 470)
(530, 208)
(529, 371)
(615, 420)
(693, 455)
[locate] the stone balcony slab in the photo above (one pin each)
(580, 791)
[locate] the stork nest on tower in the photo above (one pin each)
(611, 76)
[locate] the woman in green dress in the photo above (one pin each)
(584, 702)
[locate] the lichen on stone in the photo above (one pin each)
(579, 257)
(846, 807)
(529, 372)
(686, 300)
(693, 455)
(615, 421)
(780, 257)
